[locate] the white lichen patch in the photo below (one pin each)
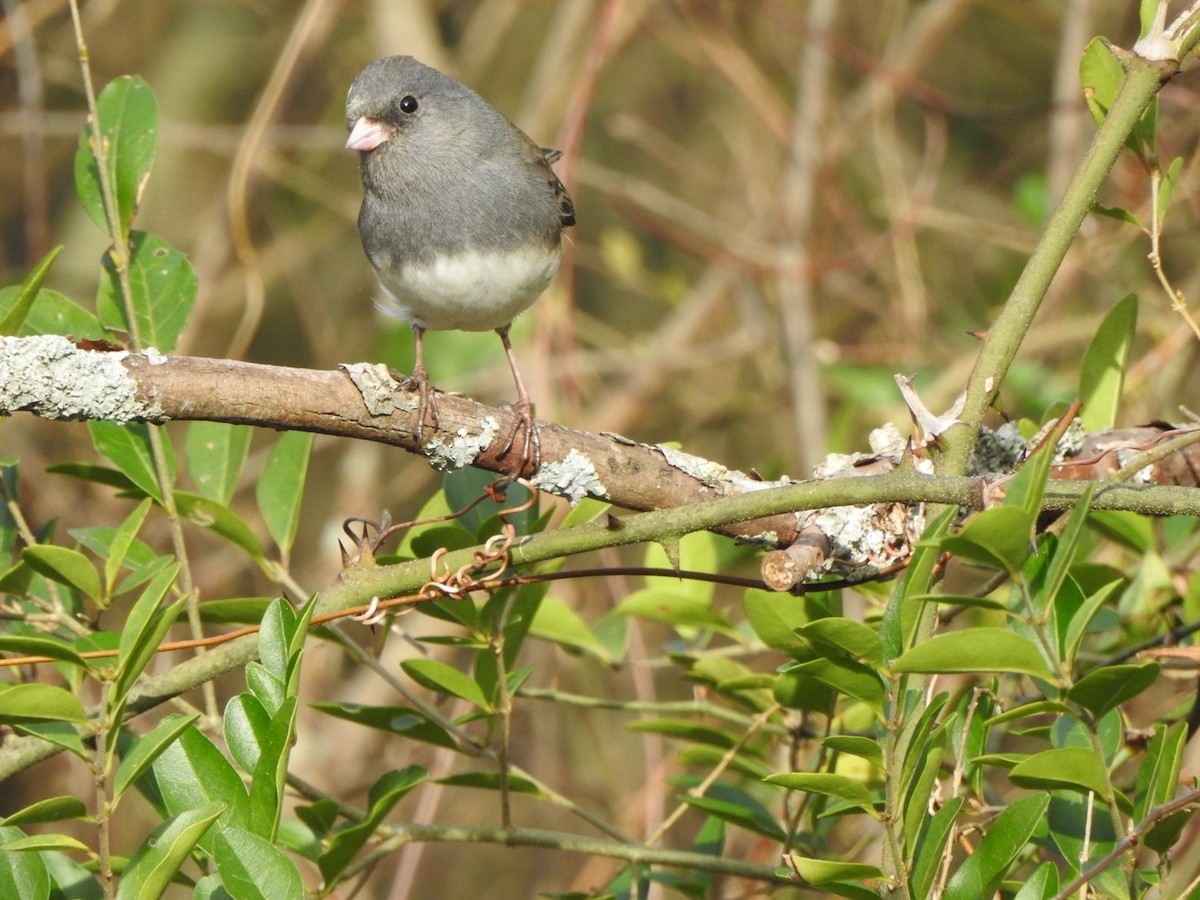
(707, 472)
(573, 477)
(51, 377)
(381, 393)
(463, 449)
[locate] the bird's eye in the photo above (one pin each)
(409, 104)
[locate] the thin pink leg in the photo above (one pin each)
(531, 448)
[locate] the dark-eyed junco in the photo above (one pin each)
(462, 216)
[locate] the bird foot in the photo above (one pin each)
(530, 456)
(426, 403)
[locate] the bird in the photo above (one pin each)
(462, 215)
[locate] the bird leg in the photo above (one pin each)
(531, 445)
(419, 381)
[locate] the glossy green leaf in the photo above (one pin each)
(221, 521)
(148, 748)
(998, 538)
(384, 794)
(252, 868)
(126, 127)
(409, 723)
(930, 847)
(245, 726)
(14, 314)
(1107, 688)
(22, 875)
(153, 867)
(280, 488)
(437, 676)
(774, 616)
(490, 781)
(853, 745)
(848, 677)
(128, 448)
(823, 871)
(735, 806)
(121, 542)
(1082, 618)
(1158, 774)
(215, 454)
(975, 650)
(66, 566)
(163, 285)
(52, 648)
(898, 628)
(43, 843)
(1064, 768)
(981, 872)
(34, 702)
(270, 774)
(60, 734)
(144, 630)
(838, 635)
(191, 773)
(837, 786)
(52, 809)
(1102, 374)
(235, 610)
(1041, 885)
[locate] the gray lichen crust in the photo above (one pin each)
(51, 377)
(573, 477)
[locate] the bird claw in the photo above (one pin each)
(426, 404)
(531, 444)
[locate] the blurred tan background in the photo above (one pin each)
(777, 211)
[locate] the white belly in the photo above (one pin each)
(469, 292)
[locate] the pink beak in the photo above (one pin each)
(367, 134)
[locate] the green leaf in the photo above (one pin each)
(437, 676)
(838, 635)
(1041, 885)
(252, 868)
(221, 521)
(682, 730)
(163, 286)
(847, 676)
(191, 773)
(154, 866)
(981, 873)
(853, 745)
(14, 315)
(1102, 374)
(736, 807)
(52, 809)
(557, 622)
(66, 566)
(1167, 187)
(128, 448)
(931, 845)
(774, 616)
(22, 874)
(823, 871)
(35, 702)
(148, 748)
(837, 786)
(1070, 768)
(1107, 688)
(490, 781)
(677, 609)
(401, 720)
(281, 486)
(1000, 538)
(37, 646)
(1077, 627)
(270, 774)
(1101, 76)
(144, 630)
(216, 453)
(60, 734)
(384, 794)
(41, 843)
(127, 126)
(976, 650)
(120, 544)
